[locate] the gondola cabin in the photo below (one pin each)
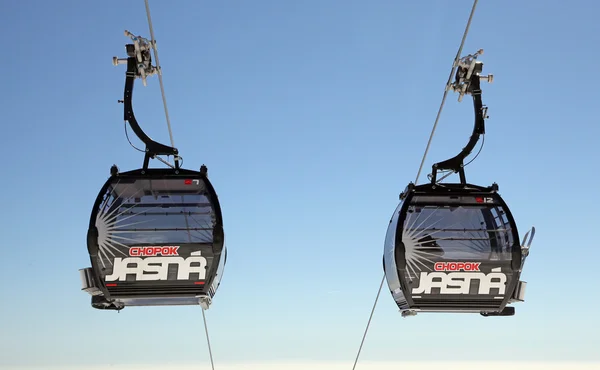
(453, 248)
(155, 238)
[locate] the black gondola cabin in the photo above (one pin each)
(155, 238)
(453, 247)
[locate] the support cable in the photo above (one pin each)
(164, 99)
(212, 364)
(454, 66)
(159, 71)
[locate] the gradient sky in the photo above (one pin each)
(312, 116)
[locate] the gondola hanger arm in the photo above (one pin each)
(139, 65)
(467, 81)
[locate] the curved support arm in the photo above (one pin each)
(153, 148)
(467, 82)
(139, 64)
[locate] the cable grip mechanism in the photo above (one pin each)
(466, 67)
(140, 49)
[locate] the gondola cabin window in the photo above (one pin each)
(147, 212)
(465, 232)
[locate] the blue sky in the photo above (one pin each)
(311, 117)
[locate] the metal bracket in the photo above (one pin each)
(466, 66)
(408, 313)
(526, 245)
(140, 49)
(204, 301)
